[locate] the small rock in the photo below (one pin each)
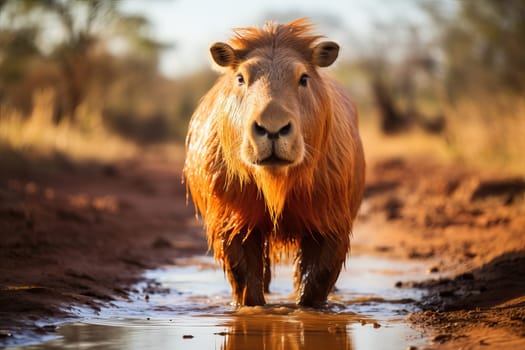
(415, 254)
(444, 281)
(187, 336)
(376, 325)
(469, 255)
(393, 208)
(4, 333)
(384, 249)
(433, 269)
(465, 277)
(441, 338)
(446, 293)
(398, 284)
(49, 328)
(412, 347)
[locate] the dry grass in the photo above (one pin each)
(414, 143)
(489, 133)
(483, 134)
(37, 135)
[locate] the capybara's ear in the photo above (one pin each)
(325, 53)
(223, 54)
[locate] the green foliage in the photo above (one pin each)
(34, 57)
(18, 47)
(101, 59)
(483, 46)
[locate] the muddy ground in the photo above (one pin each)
(81, 235)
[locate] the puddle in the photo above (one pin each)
(365, 312)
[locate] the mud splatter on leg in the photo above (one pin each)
(318, 265)
(244, 265)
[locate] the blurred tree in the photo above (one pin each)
(483, 44)
(402, 72)
(15, 48)
(18, 52)
(86, 29)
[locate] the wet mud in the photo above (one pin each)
(195, 312)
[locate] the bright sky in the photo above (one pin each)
(192, 25)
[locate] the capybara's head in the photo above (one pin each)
(275, 108)
(277, 93)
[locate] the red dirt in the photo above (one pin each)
(470, 229)
(82, 236)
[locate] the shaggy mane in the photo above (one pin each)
(296, 35)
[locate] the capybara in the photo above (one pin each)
(274, 161)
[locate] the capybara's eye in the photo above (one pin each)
(240, 79)
(303, 81)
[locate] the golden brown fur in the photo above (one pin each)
(251, 211)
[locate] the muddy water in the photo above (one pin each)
(194, 312)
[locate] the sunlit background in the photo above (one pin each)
(192, 25)
(106, 80)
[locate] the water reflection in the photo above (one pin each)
(259, 329)
(303, 331)
(197, 314)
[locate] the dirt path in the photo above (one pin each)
(82, 236)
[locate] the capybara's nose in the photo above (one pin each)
(260, 131)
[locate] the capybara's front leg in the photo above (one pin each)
(243, 262)
(318, 265)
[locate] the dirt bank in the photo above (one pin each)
(82, 235)
(470, 229)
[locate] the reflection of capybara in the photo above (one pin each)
(274, 161)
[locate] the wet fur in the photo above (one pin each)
(308, 209)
